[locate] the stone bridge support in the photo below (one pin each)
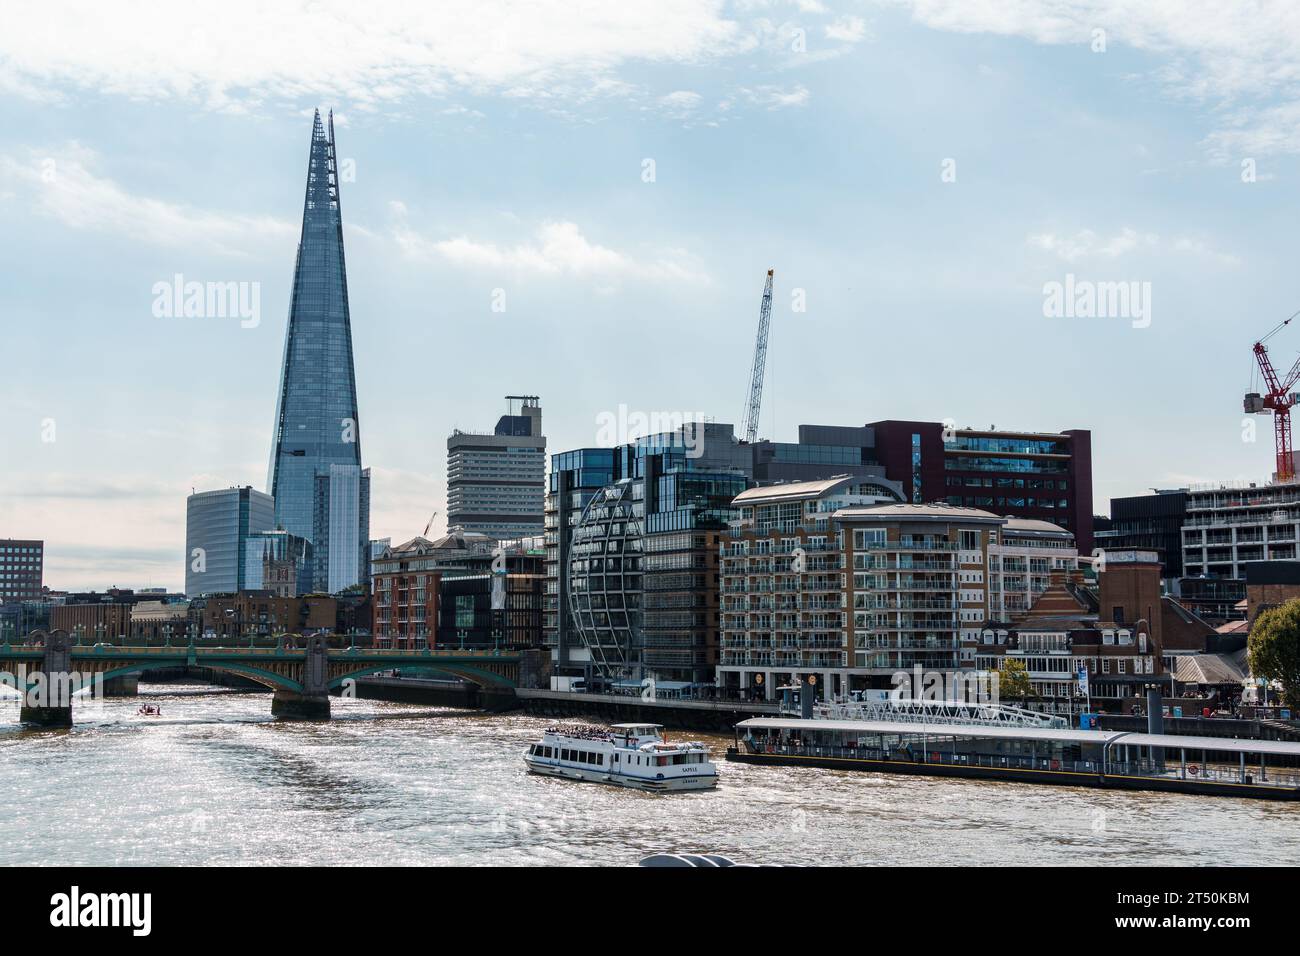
(47, 696)
(313, 703)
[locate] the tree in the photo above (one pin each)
(1274, 648)
(1013, 679)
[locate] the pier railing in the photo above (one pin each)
(1168, 769)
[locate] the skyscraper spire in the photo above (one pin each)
(320, 490)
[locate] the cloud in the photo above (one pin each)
(776, 97)
(846, 29)
(62, 184)
(1087, 244)
(237, 54)
(1232, 57)
(557, 248)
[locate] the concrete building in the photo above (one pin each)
(95, 616)
(496, 483)
(218, 526)
(160, 621)
(22, 566)
(1230, 525)
(261, 614)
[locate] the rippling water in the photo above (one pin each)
(216, 780)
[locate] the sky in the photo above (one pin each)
(580, 200)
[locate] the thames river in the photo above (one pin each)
(215, 780)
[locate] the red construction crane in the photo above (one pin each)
(1279, 399)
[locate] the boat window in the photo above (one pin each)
(600, 760)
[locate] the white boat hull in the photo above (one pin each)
(665, 785)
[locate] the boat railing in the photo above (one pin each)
(920, 754)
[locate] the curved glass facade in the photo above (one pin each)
(605, 578)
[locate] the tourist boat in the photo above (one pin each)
(993, 750)
(626, 755)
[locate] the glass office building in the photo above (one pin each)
(218, 527)
(321, 492)
(631, 546)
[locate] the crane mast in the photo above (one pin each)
(1279, 399)
(749, 426)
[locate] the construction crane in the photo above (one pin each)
(1279, 399)
(749, 425)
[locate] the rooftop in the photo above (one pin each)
(897, 511)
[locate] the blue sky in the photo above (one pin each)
(503, 148)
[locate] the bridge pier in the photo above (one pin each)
(313, 701)
(128, 686)
(47, 698)
(290, 705)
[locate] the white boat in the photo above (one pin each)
(625, 755)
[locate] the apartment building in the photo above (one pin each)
(1230, 525)
(839, 582)
(1021, 558)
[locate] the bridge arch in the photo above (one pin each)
(475, 675)
(268, 679)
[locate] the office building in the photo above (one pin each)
(631, 556)
(218, 527)
(321, 491)
(1043, 476)
(497, 607)
(21, 569)
(1151, 522)
(496, 483)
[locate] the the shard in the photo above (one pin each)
(321, 492)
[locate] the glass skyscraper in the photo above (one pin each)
(218, 525)
(321, 492)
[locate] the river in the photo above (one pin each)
(215, 780)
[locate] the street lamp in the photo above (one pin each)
(78, 629)
(167, 635)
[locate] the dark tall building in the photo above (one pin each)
(1149, 523)
(1045, 476)
(21, 567)
(321, 492)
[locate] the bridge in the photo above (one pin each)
(49, 670)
